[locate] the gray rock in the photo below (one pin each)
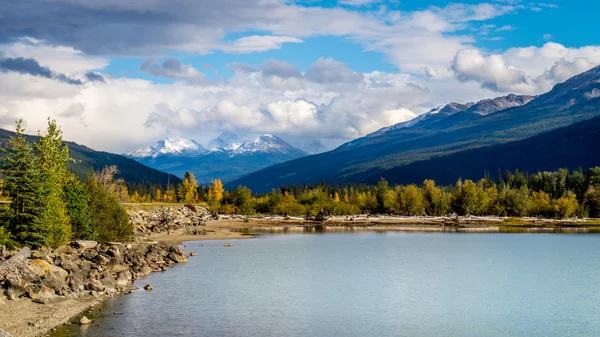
(89, 254)
(56, 279)
(95, 285)
(102, 259)
(86, 244)
(177, 257)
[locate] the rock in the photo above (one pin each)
(56, 278)
(71, 266)
(86, 244)
(177, 257)
(227, 244)
(77, 282)
(193, 254)
(148, 287)
(117, 268)
(40, 292)
(84, 320)
(68, 250)
(110, 284)
(95, 285)
(41, 300)
(15, 289)
(102, 259)
(124, 278)
(89, 254)
(146, 270)
(39, 267)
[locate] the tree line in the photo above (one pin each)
(50, 205)
(558, 194)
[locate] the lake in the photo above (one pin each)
(369, 284)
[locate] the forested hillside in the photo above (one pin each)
(84, 160)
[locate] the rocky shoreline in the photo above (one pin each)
(84, 272)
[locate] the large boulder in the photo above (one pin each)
(40, 267)
(56, 278)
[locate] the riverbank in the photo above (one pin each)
(46, 288)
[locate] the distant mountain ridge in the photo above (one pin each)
(226, 158)
(482, 108)
(460, 127)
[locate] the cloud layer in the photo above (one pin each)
(58, 68)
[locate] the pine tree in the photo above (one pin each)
(52, 157)
(22, 182)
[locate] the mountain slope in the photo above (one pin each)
(571, 147)
(481, 108)
(439, 134)
(86, 159)
(226, 162)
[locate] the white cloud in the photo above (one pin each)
(531, 70)
(258, 43)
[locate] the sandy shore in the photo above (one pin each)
(24, 318)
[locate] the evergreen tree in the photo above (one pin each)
(22, 182)
(77, 204)
(52, 157)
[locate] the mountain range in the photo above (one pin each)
(226, 158)
(444, 131)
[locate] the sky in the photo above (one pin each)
(117, 75)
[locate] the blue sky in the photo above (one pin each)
(118, 75)
(561, 21)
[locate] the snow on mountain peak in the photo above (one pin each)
(170, 146)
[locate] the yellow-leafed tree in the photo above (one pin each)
(188, 189)
(215, 192)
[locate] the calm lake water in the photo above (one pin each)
(370, 284)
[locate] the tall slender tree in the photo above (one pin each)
(52, 157)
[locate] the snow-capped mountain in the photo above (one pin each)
(175, 146)
(224, 140)
(481, 108)
(228, 156)
(263, 143)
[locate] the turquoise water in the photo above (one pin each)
(370, 284)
